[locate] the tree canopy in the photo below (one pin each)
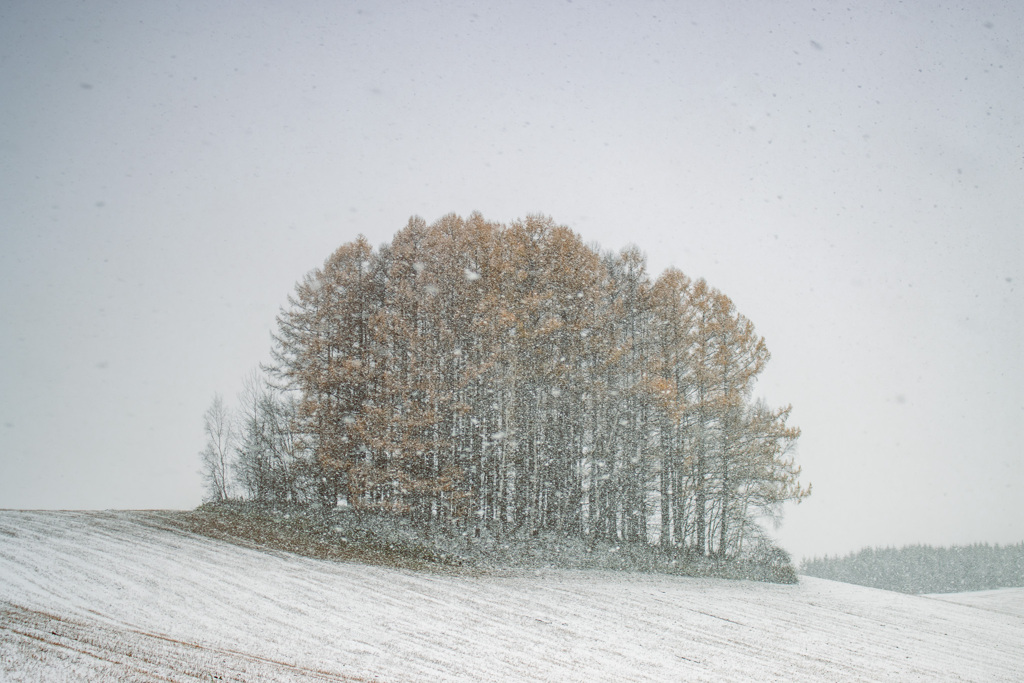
(510, 379)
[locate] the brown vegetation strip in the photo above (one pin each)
(295, 536)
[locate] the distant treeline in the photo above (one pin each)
(924, 569)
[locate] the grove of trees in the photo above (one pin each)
(509, 380)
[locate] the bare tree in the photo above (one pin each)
(272, 464)
(215, 456)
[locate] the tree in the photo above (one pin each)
(323, 351)
(217, 454)
(670, 387)
(271, 462)
(739, 357)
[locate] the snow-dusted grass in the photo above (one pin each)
(129, 595)
(391, 541)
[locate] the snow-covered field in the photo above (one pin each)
(1006, 600)
(124, 595)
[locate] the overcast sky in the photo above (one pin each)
(853, 177)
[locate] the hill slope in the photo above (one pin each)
(1005, 600)
(129, 594)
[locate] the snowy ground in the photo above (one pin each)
(1005, 600)
(124, 595)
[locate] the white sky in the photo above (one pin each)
(852, 177)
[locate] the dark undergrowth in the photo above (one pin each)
(381, 539)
